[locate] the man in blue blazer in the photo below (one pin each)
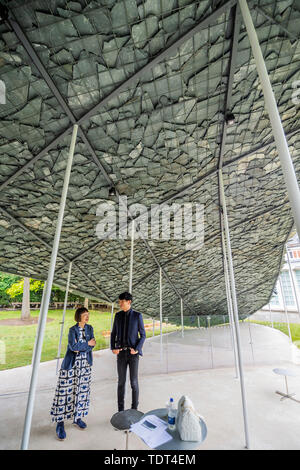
(127, 338)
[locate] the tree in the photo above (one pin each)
(25, 315)
(11, 289)
(24, 290)
(6, 281)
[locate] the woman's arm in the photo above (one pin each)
(77, 346)
(92, 340)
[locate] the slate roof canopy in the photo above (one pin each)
(152, 125)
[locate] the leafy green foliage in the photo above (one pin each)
(11, 290)
(6, 281)
(15, 291)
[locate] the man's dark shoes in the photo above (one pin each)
(60, 431)
(80, 423)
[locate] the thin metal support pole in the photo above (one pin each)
(153, 331)
(271, 317)
(167, 345)
(111, 322)
(131, 257)
(198, 318)
(210, 343)
(293, 281)
(182, 321)
(273, 20)
(285, 309)
(160, 312)
(44, 311)
(251, 341)
(286, 384)
(130, 290)
(229, 301)
(39, 324)
(271, 105)
(235, 309)
(63, 317)
(112, 316)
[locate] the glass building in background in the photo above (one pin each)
(284, 294)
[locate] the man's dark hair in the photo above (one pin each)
(125, 296)
(78, 313)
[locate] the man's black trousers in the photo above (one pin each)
(124, 359)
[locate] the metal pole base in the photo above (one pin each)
(127, 435)
(284, 396)
(126, 439)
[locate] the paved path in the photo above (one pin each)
(189, 366)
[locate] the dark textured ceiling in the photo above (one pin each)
(151, 124)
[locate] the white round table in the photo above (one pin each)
(285, 373)
(176, 443)
(124, 419)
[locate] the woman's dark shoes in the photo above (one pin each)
(80, 423)
(60, 431)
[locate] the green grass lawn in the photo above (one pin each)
(18, 341)
(294, 327)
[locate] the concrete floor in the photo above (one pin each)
(200, 365)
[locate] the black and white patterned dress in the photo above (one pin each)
(72, 395)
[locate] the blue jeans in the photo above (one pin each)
(124, 359)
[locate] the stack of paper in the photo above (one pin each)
(152, 430)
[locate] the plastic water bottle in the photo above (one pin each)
(171, 415)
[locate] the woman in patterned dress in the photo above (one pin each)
(72, 395)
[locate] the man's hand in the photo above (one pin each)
(92, 342)
(132, 351)
(116, 351)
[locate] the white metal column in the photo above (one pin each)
(131, 257)
(251, 340)
(63, 317)
(208, 318)
(182, 322)
(271, 318)
(112, 316)
(167, 345)
(44, 310)
(229, 300)
(39, 323)
(271, 105)
(160, 312)
(293, 280)
(235, 308)
(285, 308)
(130, 290)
